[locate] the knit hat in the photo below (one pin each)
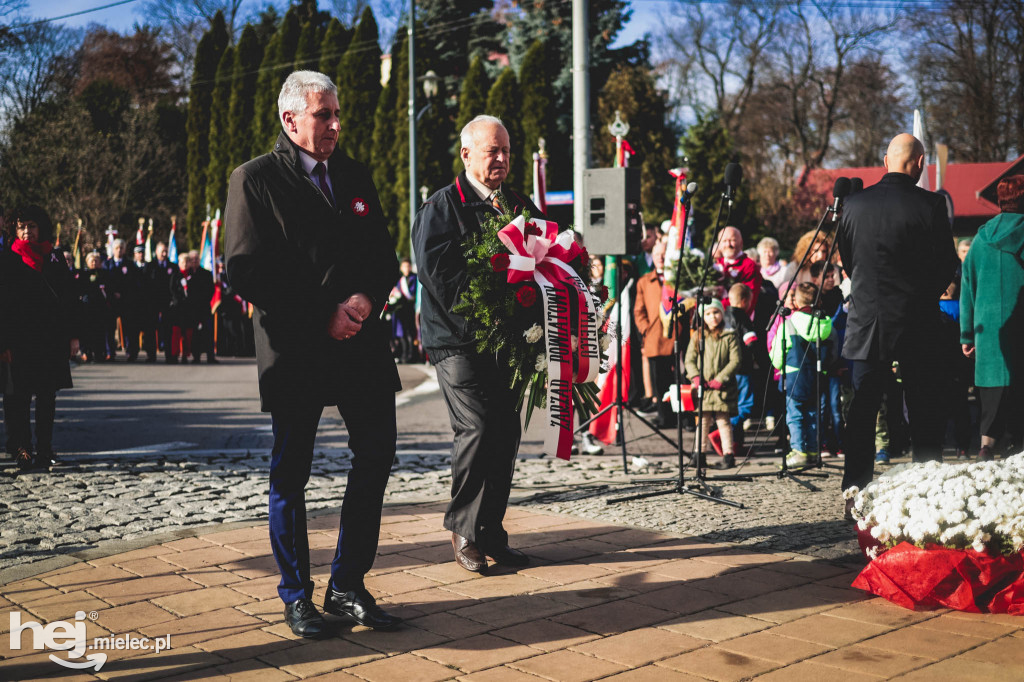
(715, 303)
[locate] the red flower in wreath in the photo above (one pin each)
(584, 258)
(499, 262)
(526, 296)
(532, 229)
(602, 293)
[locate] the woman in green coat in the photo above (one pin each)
(992, 317)
(721, 360)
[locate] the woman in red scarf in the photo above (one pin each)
(36, 309)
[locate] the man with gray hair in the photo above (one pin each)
(307, 244)
(481, 405)
(118, 266)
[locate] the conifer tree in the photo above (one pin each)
(359, 88)
(291, 31)
(503, 101)
(472, 102)
(208, 53)
(539, 119)
(220, 141)
(278, 59)
(243, 94)
(400, 142)
(381, 158)
(632, 91)
(307, 49)
(335, 42)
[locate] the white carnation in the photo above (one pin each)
(534, 334)
(606, 342)
(541, 364)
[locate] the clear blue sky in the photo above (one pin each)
(646, 14)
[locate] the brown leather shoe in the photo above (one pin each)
(468, 555)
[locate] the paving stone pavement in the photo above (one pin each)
(599, 601)
(91, 500)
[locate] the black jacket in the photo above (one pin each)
(295, 257)
(897, 248)
(37, 310)
(438, 235)
(162, 278)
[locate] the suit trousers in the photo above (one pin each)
(926, 386)
(17, 412)
(370, 420)
(481, 407)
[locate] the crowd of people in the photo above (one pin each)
(52, 312)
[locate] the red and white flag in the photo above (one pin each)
(604, 427)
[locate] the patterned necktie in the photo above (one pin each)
(496, 200)
(320, 171)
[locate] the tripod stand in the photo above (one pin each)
(620, 404)
(700, 488)
(840, 190)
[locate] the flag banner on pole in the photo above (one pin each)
(603, 428)
(919, 134)
(78, 251)
(669, 290)
(540, 190)
(625, 151)
(172, 242)
(149, 242)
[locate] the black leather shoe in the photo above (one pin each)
(304, 620)
(360, 607)
(506, 556)
(468, 555)
(726, 462)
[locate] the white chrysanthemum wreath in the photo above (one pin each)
(976, 506)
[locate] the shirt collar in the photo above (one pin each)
(482, 190)
(308, 162)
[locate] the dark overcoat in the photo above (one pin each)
(37, 313)
(295, 257)
(897, 247)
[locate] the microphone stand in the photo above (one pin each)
(620, 404)
(782, 311)
(700, 488)
(818, 314)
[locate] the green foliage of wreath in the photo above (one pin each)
(499, 315)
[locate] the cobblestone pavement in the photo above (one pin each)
(217, 474)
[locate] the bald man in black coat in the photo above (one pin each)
(897, 247)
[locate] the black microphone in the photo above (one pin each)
(839, 191)
(856, 185)
(733, 175)
(688, 193)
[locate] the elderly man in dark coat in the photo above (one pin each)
(307, 244)
(897, 247)
(481, 405)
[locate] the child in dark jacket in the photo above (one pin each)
(738, 318)
(794, 353)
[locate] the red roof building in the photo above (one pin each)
(972, 187)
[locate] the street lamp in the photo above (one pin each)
(429, 80)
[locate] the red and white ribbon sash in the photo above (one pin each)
(541, 255)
